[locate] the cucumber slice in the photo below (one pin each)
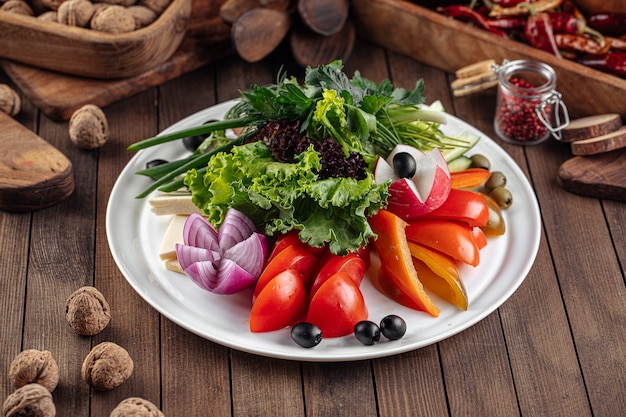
(455, 149)
(459, 164)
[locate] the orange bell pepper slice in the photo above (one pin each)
(451, 291)
(452, 238)
(395, 256)
(469, 178)
(440, 263)
(462, 205)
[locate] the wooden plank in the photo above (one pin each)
(134, 324)
(590, 278)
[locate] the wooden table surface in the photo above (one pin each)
(557, 347)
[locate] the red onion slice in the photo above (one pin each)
(229, 278)
(235, 228)
(188, 255)
(204, 274)
(200, 233)
(249, 254)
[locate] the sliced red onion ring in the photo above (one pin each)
(235, 228)
(249, 254)
(188, 255)
(200, 233)
(229, 278)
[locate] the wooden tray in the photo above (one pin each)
(447, 44)
(91, 53)
(58, 95)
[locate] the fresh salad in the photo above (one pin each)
(317, 179)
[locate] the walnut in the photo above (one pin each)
(88, 127)
(113, 19)
(75, 13)
(107, 366)
(17, 7)
(87, 311)
(10, 102)
(136, 407)
(52, 4)
(157, 6)
(34, 366)
(143, 16)
(32, 400)
(125, 3)
(49, 16)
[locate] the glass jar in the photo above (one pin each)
(528, 108)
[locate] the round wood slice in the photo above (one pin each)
(600, 176)
(591, 127)
(257, 32)
(33, 173)
(325, 17)
(600, 144)
(310, 48)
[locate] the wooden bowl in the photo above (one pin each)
(90, 53)
(598, 6)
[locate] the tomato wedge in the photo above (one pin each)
(464, 206)
(337, 306)
(296, 257)
(452, 238)
(395, 256)
(281, 303)
(291, 238)
(351, 264)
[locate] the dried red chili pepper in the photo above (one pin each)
(616, 43)
(509, 3)
(508, 23)
(611, 24)
(613, 62)
(540, 33)
(466, 14)
(579, 43)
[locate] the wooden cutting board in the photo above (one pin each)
(33, 173)
(59, 95)
(602, 175)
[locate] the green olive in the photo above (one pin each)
(480, 161)
(502, 196)
(496, 179)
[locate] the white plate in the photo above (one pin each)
(135, 234)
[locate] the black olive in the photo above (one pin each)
(155, 162)
(306, 334)
(404, 165)
(192, 143)
(393, 327)
(367, 332)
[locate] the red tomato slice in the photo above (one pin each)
(281, 303)
(292, 238)
(337, 306)
(352, 264)
(296, 257)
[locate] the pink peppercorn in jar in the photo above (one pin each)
(528, 108)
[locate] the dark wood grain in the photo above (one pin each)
(555, 347)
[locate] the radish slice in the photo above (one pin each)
(249, 254)
(236, 228)
(200, 233)
(188, 255)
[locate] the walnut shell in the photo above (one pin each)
(125, 3)
(10, 102)
(88, 128)
(52, 4)
(32, 400)
(87, 311)
(49, 16)
(143, 16)
(75, 13)
(107, 366)
(136, 407)
(34, 366)
(17, 7)
(113, 19)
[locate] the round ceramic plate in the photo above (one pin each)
(135, 235)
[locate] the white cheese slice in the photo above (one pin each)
(173, 235)
(173, 203)
(173, 265)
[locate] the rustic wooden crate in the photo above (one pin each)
(437, 40)
(89, 53)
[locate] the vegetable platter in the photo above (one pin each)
(449, 44)
(135, 236)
